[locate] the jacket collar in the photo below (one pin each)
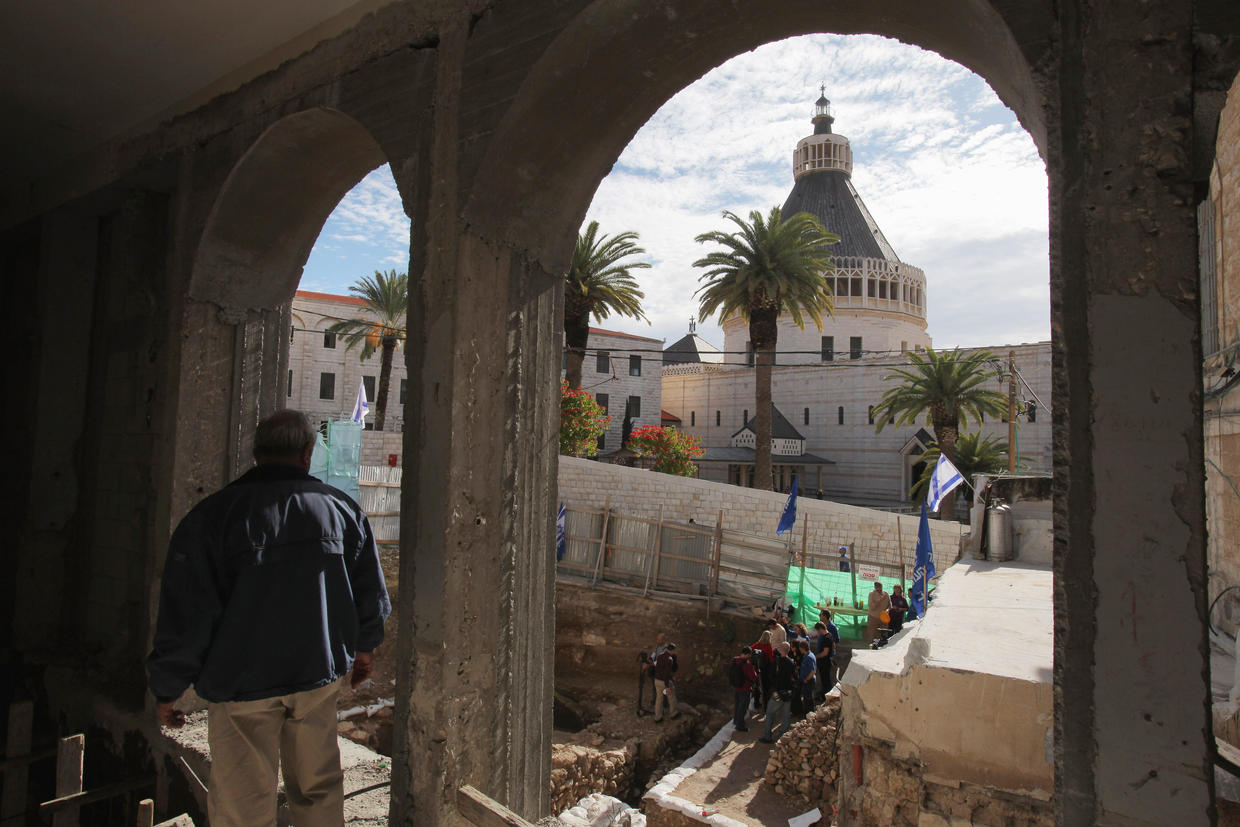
(273, 472)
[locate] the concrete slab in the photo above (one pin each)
(991, 618)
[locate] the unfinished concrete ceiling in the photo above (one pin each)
(77, 73)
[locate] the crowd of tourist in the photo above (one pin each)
(785, 674)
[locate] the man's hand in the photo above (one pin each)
(170, 716)
(363, 665)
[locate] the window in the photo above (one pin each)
(564, 360)
(718, 418)
(1032, 410)
(602, 441)
(871, 414)
(839, 412)
(329, 339)
(854, 347)
(290, 383)
(603, 362)
(634, 408)
(369, 383)
(635, 366)
(807, 416)
(327, 386)
(404, 391)
(602, 399)
(744, 417)
(903, 347)
(749, 354)
(828, 348)
(692, 419)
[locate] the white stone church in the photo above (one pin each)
(827, 382)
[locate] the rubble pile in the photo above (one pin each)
(598, 810)
(804, 762)
(577, 770)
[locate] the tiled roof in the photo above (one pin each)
(830, 196)
(327, 297)
(691, 349)
(600, 331)
(781, 428)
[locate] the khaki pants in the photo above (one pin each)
(249, 739)
(660, 698)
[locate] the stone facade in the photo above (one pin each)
(623, 370)
(869, 467)
(324, 375)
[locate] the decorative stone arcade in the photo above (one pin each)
(147, 280)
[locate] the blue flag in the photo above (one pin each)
(923, 566)
(560, 542)
(789, 516)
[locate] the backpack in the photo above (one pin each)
(736, 673)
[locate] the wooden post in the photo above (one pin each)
(652, 578)
(602, 543)
(852, 569)
(69, 777)
(900, 554)
(1011, 411)
(13, 799)
(714, 577)
(146, 813)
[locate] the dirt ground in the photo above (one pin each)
(732, 783)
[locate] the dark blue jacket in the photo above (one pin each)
(270, 587)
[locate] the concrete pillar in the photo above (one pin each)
(476, 614)
(1132, 702)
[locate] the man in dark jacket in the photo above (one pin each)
(272, 592)
(781, 698)
(742, 670)
(665, 667)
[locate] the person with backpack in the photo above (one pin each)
(665, 667)
(741, 675)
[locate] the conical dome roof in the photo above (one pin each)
(823, 188)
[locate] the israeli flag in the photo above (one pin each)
(944, 481)
(561, 542)
(361, 408)
(789, 517)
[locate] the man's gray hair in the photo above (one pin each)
(285, 433)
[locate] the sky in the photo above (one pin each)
(953, 180)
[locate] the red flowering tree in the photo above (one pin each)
(673, 451)
(582, 422)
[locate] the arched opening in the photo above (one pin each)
(247, 264)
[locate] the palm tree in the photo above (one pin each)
(767, 267)
(597, 284)
(947, 389)
(386, 298)
(975, 454)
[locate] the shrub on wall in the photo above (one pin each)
(582, 422)
(673, 451)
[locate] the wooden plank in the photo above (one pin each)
(146, 813)
(68, 804)
(26, 760)
(602, 542)
(653, 578)
(378, 484)
(17, 747)
(68, 781)
(483, 811)
(718, 536)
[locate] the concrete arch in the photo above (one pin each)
(609, 70)
(273, 204)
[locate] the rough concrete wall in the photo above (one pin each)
(632, 491)
(1222, 411)
(601, 631)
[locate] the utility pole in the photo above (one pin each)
(1011, 416)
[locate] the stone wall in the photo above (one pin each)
(804, 762)
(578, 770)
(640, 493)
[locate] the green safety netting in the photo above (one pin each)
(807, 589)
